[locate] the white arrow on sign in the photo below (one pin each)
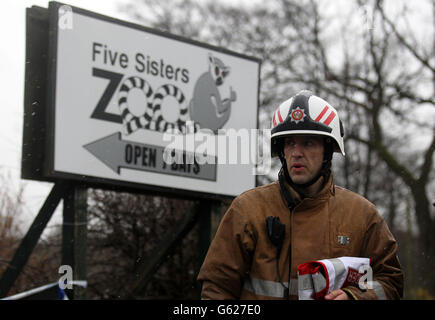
(117, 153)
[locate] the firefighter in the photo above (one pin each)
(269, 231)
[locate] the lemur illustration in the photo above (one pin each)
(207, 109)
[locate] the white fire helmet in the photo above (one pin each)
(304, 114)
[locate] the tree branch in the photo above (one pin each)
(389, 159)
(402, 39)
(427, 164)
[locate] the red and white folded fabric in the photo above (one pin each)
(318, 278)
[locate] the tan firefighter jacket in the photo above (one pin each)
(241, 261)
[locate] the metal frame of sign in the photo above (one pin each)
(39, 126)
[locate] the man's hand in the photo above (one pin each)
(337, 295)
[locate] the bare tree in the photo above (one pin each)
(123, 230)
(11, 208)
(44, 261)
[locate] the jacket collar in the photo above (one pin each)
(292, 198)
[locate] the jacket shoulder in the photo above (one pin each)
(264, 192)
(259, 198)
(356, 202)
(351, 195)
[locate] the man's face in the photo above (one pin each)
(304, 157)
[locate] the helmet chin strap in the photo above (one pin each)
(324, 171)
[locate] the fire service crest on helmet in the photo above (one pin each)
(298, 115)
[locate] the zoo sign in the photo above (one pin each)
(117, 88)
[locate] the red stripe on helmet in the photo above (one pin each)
(279, 116)
(330, 118)
(274, 120)
(322, 113)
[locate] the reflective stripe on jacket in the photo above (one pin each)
(241, 261)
